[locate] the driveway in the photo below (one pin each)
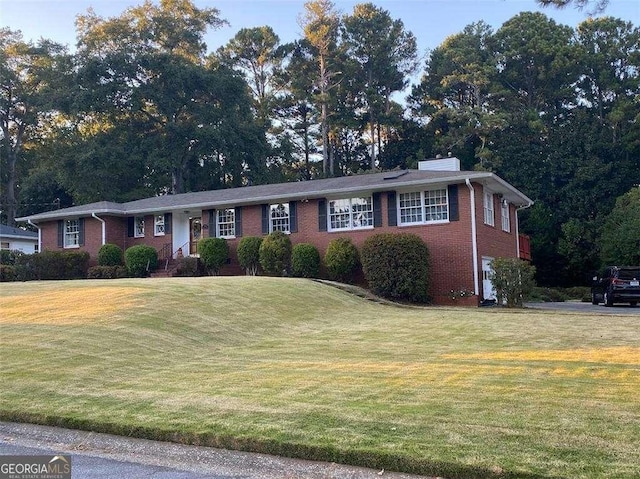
(103, 456)
(579, 307)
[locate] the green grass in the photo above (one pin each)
(299, 368)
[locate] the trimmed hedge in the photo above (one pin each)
(275, 254)
(249, 254)
(7, 273)
(190, 267)
(110, 255)
(305, 261)
(9, 257)
(138, 257)
(396, 266)
(341, 260)
(107, 272)
(214, 253)
(52, 265)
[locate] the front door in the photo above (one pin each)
(488, 291)
(195, 233)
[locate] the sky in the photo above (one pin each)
(431, 21)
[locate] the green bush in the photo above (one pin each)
(7, 273)
(513, 280)
(9, 257)
(52, 265)
(305, 261)
(275, 254)
(110, 255)
(140, 260)
(107, 272)
(341, 259)
(396, 266)
(190, 267)
(249, 254)
(214, 253)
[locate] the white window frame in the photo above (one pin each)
(347, 214)
(158, 225)
(5, 245)
(488, 208)
(504, 213)
(279, 218)
(226, 223)
(423, 208)
(138, 226)
(72, 233)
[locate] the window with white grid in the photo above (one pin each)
(71, 233)
(506, 223)
(489, 218)
(226, 223)
(350, 213)
(280, 217)
(158, 225)
(430, 206)
(435, 205)
(139, 227)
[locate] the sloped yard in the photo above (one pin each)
(300, 368)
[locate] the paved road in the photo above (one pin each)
(578, 307)
(103, 456)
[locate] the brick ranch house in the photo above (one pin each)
(466, 218)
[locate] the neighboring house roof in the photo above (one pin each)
(330, 187)
(17, 233)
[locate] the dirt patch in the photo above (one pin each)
(70, 306)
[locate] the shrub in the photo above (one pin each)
(513, 280)
(249, 254)
(107, 272)
(110, 255)
(7, 273)
(275, 254)
(9, 257)
(52, 265)
(396, 266)
(305, 261)
(341, 259)
(191, 267)
(214, 253)
(140, 260)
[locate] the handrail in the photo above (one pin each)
(170, 257)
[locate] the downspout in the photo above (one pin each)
(474, 238)
(39, 234)
(104, 228)
(528, 205)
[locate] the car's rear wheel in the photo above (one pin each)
(594, 299)
(608, 300)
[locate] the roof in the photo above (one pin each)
(280, 192)
(11, 232)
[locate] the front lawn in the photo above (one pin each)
(299, 368)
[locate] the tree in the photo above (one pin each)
(28, 86)
(596, 6)
(320, 23)
(385, 54)
(620, 238)
(513, 280)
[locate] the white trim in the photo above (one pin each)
(233, 223)
(135, 227)
(104, 228)
(474, 237)
(423, 207)
(488, 207)
(351, 227)
(39, 234)
(505, 221)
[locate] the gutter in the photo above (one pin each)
(474, 238)
(104, 228)
(39, 234)
(528, 205)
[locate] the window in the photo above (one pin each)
(226, 223)
(506, 223)
(429, 206)
(139, 227)
(72, 233)
(158, 226)
(488, 209)
(279, 217)
(4, 245)
(350, 213)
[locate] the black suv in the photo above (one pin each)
(617, 284)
